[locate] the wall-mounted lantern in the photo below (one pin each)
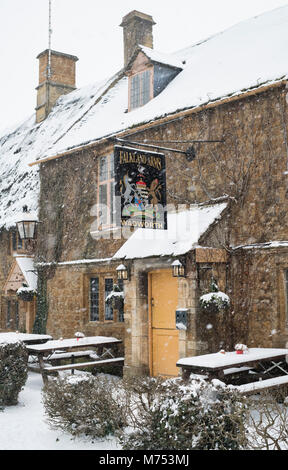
(178, 268)
(123, 272)
(27, 225)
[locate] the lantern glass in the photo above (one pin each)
(27, 229)
(122, 272)
(178, 269)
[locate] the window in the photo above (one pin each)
(94, 299)
(121, 311)
(16, 242)
(140, 89)
(106, 196)
(108, 308)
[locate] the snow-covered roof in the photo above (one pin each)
(184, 231)
(244, 56)
(27, 267)
(23, 144)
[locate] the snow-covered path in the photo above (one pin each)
(23, 427)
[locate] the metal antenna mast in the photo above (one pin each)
(49, 42)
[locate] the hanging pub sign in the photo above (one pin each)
(140, 178)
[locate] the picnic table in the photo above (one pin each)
(218, 365)
(27, 338)
(104, 349)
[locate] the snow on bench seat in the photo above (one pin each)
(114, 360)
(263, 384)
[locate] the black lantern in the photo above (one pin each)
(178, 268)
(27, 225)
(122, 272)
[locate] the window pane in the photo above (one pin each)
(14, 241)
(111, 163)
(103, 169)
(94, 299)
(135, 92)
(103, 200)
(108, 308)
(145, 88)
(8, 317)
(112, 197)
(121, 310)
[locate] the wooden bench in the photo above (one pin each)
(267, 384)
(81, 365)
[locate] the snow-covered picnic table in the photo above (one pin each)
(217, 364)
(27, 338)
(106, 348)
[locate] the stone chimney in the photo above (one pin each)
(137, 30)
(61, 80)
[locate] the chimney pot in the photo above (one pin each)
(137, 30)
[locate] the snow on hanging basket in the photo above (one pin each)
(115, 298)
(26, 293)
(214, 301)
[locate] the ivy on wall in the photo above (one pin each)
(39, 326)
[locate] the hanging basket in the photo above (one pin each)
(25, 294)
(214, 302)
(115, 298)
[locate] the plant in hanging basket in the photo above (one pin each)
(115, 298)
(26, 293)
(214, 301)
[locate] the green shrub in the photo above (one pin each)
(85, 404)
(13, 371)
(198, 416)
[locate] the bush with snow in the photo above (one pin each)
(84, 404)
(13, 371)
(195, 416)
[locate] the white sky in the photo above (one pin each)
(90, 30)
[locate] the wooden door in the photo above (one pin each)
(164, 348)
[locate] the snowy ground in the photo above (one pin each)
(23, 427)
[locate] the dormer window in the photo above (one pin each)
(149, 73)
(141, 90)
